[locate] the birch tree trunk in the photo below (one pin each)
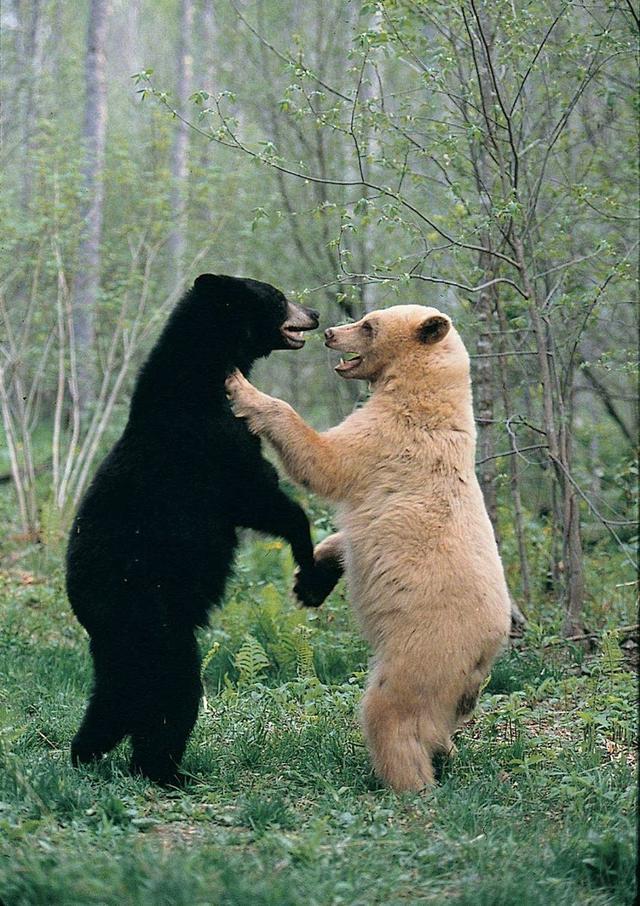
(32, 62)
(485, 395)
(207, 75)
(180, 151)
(87, 284)
(514, 471)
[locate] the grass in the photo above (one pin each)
(538, 807)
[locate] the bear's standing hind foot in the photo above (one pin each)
(400, 757)
(100, 732)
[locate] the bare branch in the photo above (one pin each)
(236, 144)
(593, 304)
(352, 131)
(289, 60)
(539, 50)
(517, 452)
(607, 402)
(496, 88)
(608, 523)
(636, 19)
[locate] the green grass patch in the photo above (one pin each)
(537, 808)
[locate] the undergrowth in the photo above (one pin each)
(282, 807)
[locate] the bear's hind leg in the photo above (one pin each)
(104, 724)
(402, 730)
(395, 742)
(167, 701)
(101, 730)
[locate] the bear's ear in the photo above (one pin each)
(434, 329)
(208, 281)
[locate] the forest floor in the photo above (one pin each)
(539, 806)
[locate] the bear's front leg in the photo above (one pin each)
(313, 460)
(278, 515)
(328, 556)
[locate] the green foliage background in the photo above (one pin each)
(539, 806)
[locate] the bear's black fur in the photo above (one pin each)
(152, 543)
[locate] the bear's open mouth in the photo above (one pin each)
(293, 335)
(347, 365)
(298, 321)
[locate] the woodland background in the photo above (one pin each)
(480, 157)
(356, 155)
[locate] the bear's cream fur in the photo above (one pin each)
(421, 563)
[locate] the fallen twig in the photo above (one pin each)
(594, 634)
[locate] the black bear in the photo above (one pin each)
(151, 546)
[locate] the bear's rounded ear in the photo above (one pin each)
(434, 329)
(206, 281)
(215, 286)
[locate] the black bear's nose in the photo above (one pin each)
(314, 314)
(328, 334)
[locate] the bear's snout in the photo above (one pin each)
(332, 338)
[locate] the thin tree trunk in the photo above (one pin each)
(180, 151)
(370, 146)
(525, 578)
(572, 540)
(483, 380)
(208, 74)
(484, 395)
(573, 573)
(209, 50)
(32, 63)
(87, 284)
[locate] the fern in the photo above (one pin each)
(237, 620)
(304, 652)
(283, 649)
(264, 616)
(209, 656)
(51, 522)
(278, 630)
(273, 631)
(611, 656)
(251, 662)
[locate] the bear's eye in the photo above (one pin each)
(367, 327)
